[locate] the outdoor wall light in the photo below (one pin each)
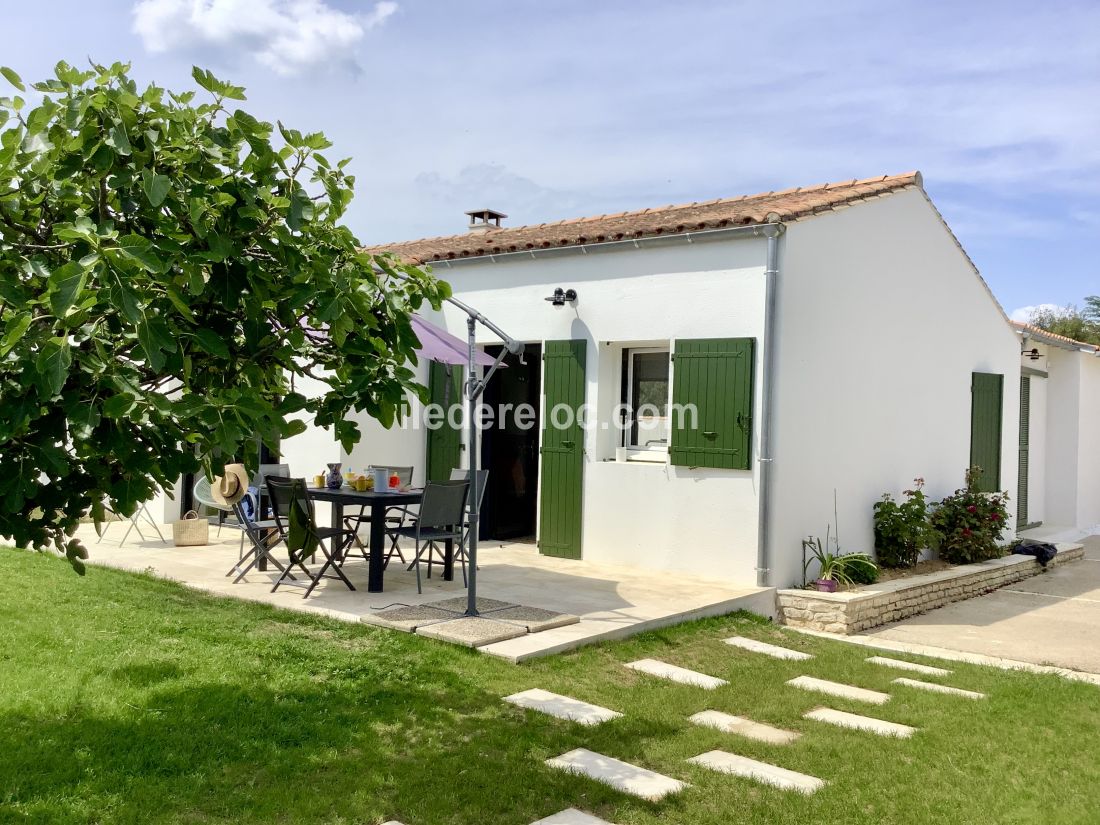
(1032, 353)
(562, 296)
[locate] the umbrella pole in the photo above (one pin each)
(471, 409)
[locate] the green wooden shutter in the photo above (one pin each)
(986, 398)
(562, 465)
(445, 443)
(715, 377)
(1025, 446)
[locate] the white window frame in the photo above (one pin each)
(631, 352)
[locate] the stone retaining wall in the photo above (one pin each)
(872, 605)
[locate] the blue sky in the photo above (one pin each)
(546, 110)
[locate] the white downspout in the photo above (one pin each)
(772, 231)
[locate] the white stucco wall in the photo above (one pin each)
(1088, 498)
(881, 322)
(1063, 436)
(653, 516)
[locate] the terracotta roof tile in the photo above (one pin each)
(1053, 337)
(787, 204)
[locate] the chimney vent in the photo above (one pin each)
(484, 220)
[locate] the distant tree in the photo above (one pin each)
(167, 268)
(1080, 325)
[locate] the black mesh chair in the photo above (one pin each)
(482, 483)
(441, 516)
(395, 516)
(288, 494)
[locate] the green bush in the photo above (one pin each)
(903, 529)
(970, 522)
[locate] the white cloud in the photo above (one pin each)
(285, 36)
(1025, 313)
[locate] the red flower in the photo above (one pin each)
(996, 516)
(966, 531)
(972, 509)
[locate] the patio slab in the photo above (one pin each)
(913, 667)
(619, 775)
(571, 816)
(675, 673)
(535, 619)
(562, 707)
(840, 690)
(932, 687)
(408, 619)
(746, 768)
(854, 721)
(775, 651)
(611, 602)
(471, 631)
(744, 727)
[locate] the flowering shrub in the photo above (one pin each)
(970, 522)
(902, 529)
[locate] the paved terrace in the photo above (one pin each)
(611, 602)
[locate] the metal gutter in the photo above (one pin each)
(702, 236)
(767, 371)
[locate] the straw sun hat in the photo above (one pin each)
(231, 487)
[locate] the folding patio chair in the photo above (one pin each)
(442, 513)
(482, 483)
(141, 512)
(263, 536)
(287, 495)
(395, 516)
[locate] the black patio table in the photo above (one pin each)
(379, 502)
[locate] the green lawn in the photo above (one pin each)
(127, 699)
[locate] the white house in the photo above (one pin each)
(836, 341)
(1059, 444)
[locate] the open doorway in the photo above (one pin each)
(510, 448)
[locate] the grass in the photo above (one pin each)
(126, 699)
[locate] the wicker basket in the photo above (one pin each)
(190, 530)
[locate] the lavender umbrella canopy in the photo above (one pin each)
(439, 345)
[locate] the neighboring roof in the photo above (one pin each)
(1053, 338)
(766, 207)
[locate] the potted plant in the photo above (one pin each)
(835, 569)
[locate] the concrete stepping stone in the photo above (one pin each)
(622, 776)
(571, 816)
(744, 727)
(901, 664)
(774, 651)
(760, 771)
(857, 722)
(934, 688)
(663, 670)
(840, 690)
(562, 707)
(471, 631)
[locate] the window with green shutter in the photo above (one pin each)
(713, 377)
(986, 395)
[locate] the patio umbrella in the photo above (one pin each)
(439, 345)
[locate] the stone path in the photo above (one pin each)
(562, 707)
(857, 722)
(901, 664)
(774, 651)
(760, 771)
(932, 687)
(663, 670)
(571, 816)
(744, 727)
(840, 690)
(619, 775)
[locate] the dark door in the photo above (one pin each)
(509, 448)
(562, 450)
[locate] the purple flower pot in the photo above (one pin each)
(825, 585)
